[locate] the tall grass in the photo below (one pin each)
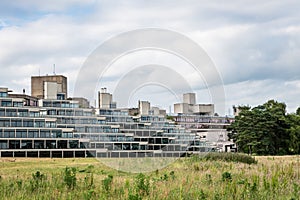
(187, 178)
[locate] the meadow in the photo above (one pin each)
(212, 177)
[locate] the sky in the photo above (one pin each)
(254, 46)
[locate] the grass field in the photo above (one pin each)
(186, 178)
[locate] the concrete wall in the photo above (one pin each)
(181, 108)
(50, 90)
(207, 109)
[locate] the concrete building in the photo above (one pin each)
(49, 87)
(82, 102)
(105, 99)
(189, 98)
(144, 107)
(63, 128)
(189, 106)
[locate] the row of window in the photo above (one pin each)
(113, 112)
(87, 129)
(18, 113)
(59, 104)
(10, 103)
(69, 112)
(40, 144)
(78, 121)
(34, 134)
(26, 123)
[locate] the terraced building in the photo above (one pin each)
(48, 124)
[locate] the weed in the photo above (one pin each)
(107, 182)
(70, 177)
(226, 176)
(142, 184)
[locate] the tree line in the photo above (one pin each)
(266, 130)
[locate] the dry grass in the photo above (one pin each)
(186, 178)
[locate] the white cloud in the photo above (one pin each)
(254, 44)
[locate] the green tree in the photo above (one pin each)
(262, 130)
(294, 132)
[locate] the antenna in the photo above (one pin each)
(54, 69)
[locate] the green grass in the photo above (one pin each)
(186, 178)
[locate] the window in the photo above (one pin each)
(11, 113)
(33, 134)
(34, 114)
(21, 134)
(50, 124)
(16, 123)
(60, 96)
(3, 94)
(62, 144)
(23, 113)
(2, 112)
(73, 144)
(46, 104)
(6, 103)
(50, 144)
(18, 104)
(3, 144)
(28, 123)
(39, 144)
(4, 123)
(51, 112)
(26, 144)
(45, 134)
(61, 112)
(39, 124)
(9, 134)
(14, 144)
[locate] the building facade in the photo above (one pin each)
(53, 127)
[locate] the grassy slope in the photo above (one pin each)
(187, 178)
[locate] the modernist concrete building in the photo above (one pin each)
(189, 106)
(105, 99)
(45, 126)
(144, 107)
(49, 87)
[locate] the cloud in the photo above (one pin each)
(252, 43)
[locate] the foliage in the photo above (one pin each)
(107, 182)
(231, 157)
(265, 130)
(70, 177)
(226, 176)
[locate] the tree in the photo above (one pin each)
(262, 130)
(294, 132)
(298, 111)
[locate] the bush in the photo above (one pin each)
(70, 177)
(231, 157)
(226, 176)
(107, 182)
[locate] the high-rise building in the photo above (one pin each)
(105, 99)
(49, 87)
(189, 106)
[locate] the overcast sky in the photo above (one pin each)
(255, 45)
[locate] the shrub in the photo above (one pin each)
(70, 177)
(226, 176)
(142, 184)
(107, 182)
(231, 157)
(37, 180)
